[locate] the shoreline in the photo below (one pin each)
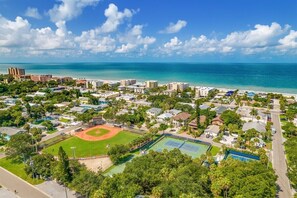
(167, 79)
(191, 85)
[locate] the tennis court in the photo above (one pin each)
(190, 148)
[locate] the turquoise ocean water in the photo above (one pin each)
(277, 77)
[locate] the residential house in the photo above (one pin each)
(10, 131)
(83, 100)
(174, 112)
(78, 110)
(259, 126)
(96, 121)
(212, 130)
(164, 118)
(193, 123)
(258, 142)
(219, 110)
(154, 112)
(217, 121)
(181, 119)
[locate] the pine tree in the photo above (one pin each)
(62, 171)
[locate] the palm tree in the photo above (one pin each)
(253, 113)
(223, 128)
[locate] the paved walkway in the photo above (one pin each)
(23, 189)
(7, 193)
(279, 160)
(55, 190)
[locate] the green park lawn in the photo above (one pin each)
(97, 132)
(18, 169)
(214, 150)
(90, 148)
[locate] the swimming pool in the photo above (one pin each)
(241, 156)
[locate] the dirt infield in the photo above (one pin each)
(94, 164)
(112, 132)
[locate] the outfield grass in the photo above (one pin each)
(90, 148)
(18, 169)
(97, 132)
(214, 150)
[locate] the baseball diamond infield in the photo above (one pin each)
(112, 132)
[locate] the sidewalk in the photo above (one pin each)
(22, 188)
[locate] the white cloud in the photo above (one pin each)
(174, 27)
(289, 41)
(114, 18)
(18, 35)
(90, 40)
(33, 13)
(69, 9)
(14, 33)
(134, 39)
(261, 36)
(260, 39)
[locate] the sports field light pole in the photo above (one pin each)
(73, 151)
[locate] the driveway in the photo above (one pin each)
(22, 188)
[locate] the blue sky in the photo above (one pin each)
(147, 30)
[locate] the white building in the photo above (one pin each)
(154, 112)
(164, 118)
(94, 84)
(202, 91)
(177, 86)
(151, 84)
(127, 82)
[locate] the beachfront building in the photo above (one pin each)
(81, 83)
(94, 84)
(151, 84)
(202, 91)
(177, 86)
(16, 72)
(127, 82)
(41, 78)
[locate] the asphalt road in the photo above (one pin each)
(279, 160)
(20, 187)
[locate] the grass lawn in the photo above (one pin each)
(64, 120)
(90, 148)
(97, 132)
(18, 169)
(53, 131)
(214, 150)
